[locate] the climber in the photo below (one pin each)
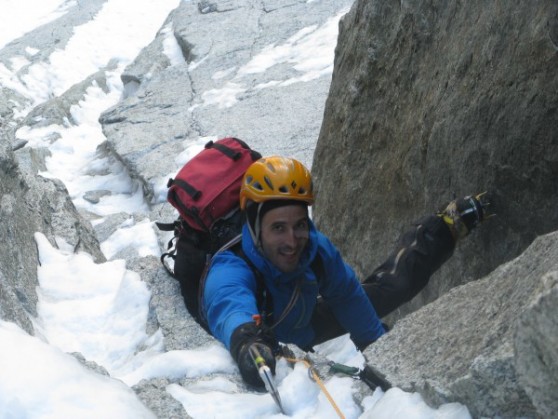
(288, 283)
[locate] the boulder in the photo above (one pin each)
(433, 100)
(536, 348)
(489, 344)
(154, 395)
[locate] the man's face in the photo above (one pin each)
(284, 234)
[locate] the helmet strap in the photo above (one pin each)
(254, 225)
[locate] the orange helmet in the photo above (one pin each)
(276, 177)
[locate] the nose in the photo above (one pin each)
(291, 238)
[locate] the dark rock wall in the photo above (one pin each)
(432, 100)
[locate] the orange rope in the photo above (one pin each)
(319, 382)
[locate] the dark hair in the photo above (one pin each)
(255, 212)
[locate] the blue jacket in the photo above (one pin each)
(229, 298)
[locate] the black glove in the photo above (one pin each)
(464, 214)
(243, 337)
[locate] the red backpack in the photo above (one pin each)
(207, 188)
(206, 194)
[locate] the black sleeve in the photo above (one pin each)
(419, 253)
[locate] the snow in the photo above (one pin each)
(41, 381)
(19, 17)
(100, 310)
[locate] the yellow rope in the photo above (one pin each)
(319, 382)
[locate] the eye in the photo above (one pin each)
(302, 225)
(278, 228)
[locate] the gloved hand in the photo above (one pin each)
(245, 336)
(464, 214)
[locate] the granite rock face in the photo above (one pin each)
(433, 100)
(489, 344)
(430, 101)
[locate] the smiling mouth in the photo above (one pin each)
(289, 256)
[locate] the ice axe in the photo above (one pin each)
(265, 374)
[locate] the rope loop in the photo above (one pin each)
(316, 378)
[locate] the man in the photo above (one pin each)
(288, 283)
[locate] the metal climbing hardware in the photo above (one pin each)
(464, 214)
(265, 374)
(369, 375)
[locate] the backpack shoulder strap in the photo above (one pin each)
(171, 245)
(230, 244)
(318, 267)
(227, 246)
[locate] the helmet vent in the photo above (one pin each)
(258, 186)
(283, 189)
(268, 182)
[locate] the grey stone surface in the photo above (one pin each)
(30, 204)
(7, 104)
(432, 100)
(487, 344)
(153, 394)
(167, 309)
(92, 365)
(171, 105)
(536, 347)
